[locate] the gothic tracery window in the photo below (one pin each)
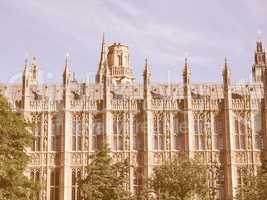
(76, 133)
(218, 132)
(97, 132)
(240, 129)
(37, 129)
(178, 136)
(35, 176)
(75, 192)
(258, 131)
(137, 131)
(137, 179)
(158, 134)
(118, 131)
(54, 184)
(55, 134)
(199, 131)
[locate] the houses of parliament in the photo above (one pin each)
(147, 124)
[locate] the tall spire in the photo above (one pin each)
(102, 56)
(34, 69)
(146, 70)
(66, 73)
(225, 63)
(101, 68)
(66, 68)
(186, 72)
(226, 72)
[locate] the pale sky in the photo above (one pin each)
(164, 31)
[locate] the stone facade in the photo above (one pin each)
(223, 124)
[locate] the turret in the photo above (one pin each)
(118, 63)
(260, 62)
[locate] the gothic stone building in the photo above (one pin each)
(147, 124)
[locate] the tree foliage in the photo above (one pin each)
(182, 179)
(253, 185)
(104, 179)
(14, 138)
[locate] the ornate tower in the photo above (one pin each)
(118, 63)
(260, 63)
(29, 77)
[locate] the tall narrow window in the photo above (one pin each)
(35, 176)
(117, 131)
(76, 134)
(178, 137)
(37, 127)
(258, 131)
(97, 132)
(199, 131)
(158, 134)
(86, 134)
(54, 184)
(75, 192)
(218, 132)
(240, 129)
(137, 179)
(55, 136)
(137, 131)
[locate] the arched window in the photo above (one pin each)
(137, 132)
(200, 132)
(117, 131)
(76, 133)
(240, 131)
(258, 131)
(158, 134)
(37, 131)
(54, 184)
(75, 192)
(218, 132)
(55, 134)
(97, 132)
(178, 133)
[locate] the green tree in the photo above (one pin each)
(181, 179)
(14, 138)
(104, 179)
(253, 185)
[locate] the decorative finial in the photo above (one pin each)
(34, 61)
(67, 58)
(26, 59)
(185, 61)
(259, 35)
(103, 38)
(146, 66)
